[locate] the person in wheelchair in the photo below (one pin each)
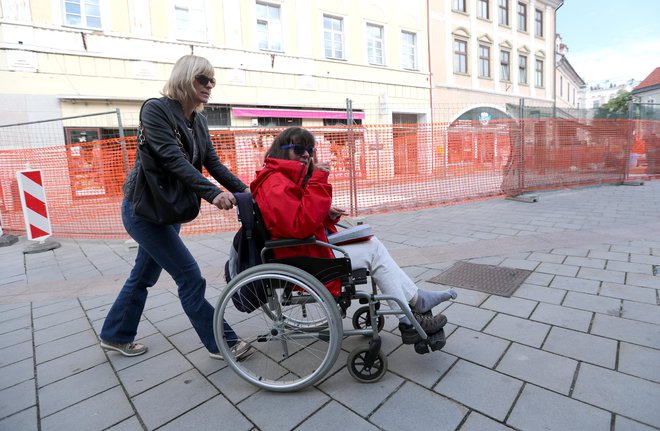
(295, 200)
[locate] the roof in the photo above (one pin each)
(653, 80)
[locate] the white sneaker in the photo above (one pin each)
(241, 350)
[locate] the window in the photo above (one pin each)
(482, 9)
(561, 86)
(460, 56)
(538, 81)
(269, 27)
(538, 23)
(333, 37)
(190, 20)
(522, 17)
(484, 61)
(505, 65)
(409, 50)
(375, 44)
(459, 5)
(278, 122)
(83, 13)
(596, 103)
(522, 69)
(504, 12)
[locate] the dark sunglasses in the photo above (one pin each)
(299, 149)
(204, 80)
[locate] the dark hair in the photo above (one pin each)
(292, 135)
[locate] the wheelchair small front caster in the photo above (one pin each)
(434, 342)
(361, 371)
(362, 319)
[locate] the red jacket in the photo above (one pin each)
(290, 210)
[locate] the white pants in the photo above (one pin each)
(389, 277)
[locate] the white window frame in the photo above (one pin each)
(459, 5)
(335, 36)
(375, 44)
(85, 13)
(503, 12)
(458, 55)
(409, 50)
(190, 20)
(272, 25)
(538, 73)
(538, 23)
(522, 18)
(483, 9)
(505, 66)
(523, 69)
(484, 61)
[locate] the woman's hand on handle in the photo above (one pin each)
(224, 201)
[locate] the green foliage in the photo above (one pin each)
(616, 107)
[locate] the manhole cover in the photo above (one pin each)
(497, 280)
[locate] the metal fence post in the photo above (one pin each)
(122, 140)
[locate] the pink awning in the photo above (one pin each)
(292, 113)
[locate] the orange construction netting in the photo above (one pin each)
(374, 168)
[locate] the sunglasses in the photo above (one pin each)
(204, 80)
(299, 149)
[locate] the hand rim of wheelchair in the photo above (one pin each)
(359, 371)
(276, 331)
(362, 319)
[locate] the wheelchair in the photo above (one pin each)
(295, 324)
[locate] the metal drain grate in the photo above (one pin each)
(497, 280)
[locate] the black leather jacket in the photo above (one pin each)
(159, 133)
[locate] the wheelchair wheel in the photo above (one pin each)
(286, 357)
(362, 319)
(358, 369)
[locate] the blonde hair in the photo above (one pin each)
(180, 84)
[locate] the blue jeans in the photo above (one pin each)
(160, 247)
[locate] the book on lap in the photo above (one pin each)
(353, 234)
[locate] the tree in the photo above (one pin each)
(616, 107)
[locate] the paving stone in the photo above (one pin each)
(54, 319)
(61, 330)
(519, 330)
(609, 255)
(545, 369)
(586, 262)
(514, 306)
(173, 325)
(76, 388)
(627, 330)
(644, 258)
(601, 275)
(15, 353)
(24, 420)
(639, 361)
(641, 268)
(470, 317)
(479, 422)
(171, 399)
(520, 264)
(626, 395)
(153, 371)
(17, 397)
(44, 308)
(361, 398)
(558, 413)
(306, 403)
(539, 278)
(394, 413)
(425, 370)
(18, 336)
(638, 311)
(558, 269)
(231, 385)
(583, 347)
(68, 365)
(595, 303)
(576, 284)
(624, 291)
(326, 420)
(23, 322)
(484, 390)
(643, 280)
(91, 414)
(630, 249)
(16, 373)
(547, 257)
(625, 424)
(469, 297)
(561, 316)
(540, 293)
(475, 346)
(212, 415)
(20, 311)
(130, 424)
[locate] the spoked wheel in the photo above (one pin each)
(289, 354)
(362, 319)
(357, 367)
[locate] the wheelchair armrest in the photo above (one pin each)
(293, 242)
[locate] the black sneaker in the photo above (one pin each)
(409, 334)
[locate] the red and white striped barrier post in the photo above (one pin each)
(35, 211)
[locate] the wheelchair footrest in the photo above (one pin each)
(434, 342)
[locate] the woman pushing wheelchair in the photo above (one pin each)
(295, 200)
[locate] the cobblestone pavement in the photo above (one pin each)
(577, 346)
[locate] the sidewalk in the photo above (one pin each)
(577, 346)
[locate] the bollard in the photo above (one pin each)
(35, 211)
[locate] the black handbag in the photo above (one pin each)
(159, 196)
